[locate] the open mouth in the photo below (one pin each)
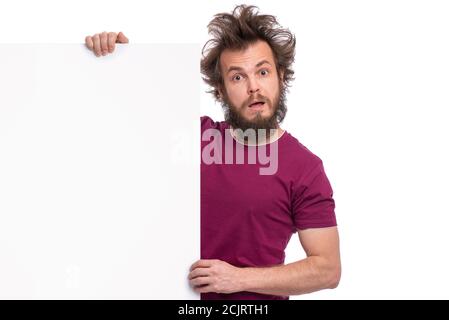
(257, 104)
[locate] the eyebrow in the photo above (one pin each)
(232, 68)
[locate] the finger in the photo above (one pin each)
(104, 42)
(121, 38)
(97, 47)
(112, 37)
(201, 264)
(204, 289)
(89, 43)
(196, 265)
(201, 281)
(199, 272)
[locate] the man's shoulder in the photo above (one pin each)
(208, 123)
(298, 158)
(298, 150)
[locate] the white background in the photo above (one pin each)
(370, 98)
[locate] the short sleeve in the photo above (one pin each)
(313, 205)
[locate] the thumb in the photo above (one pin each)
(121, 38)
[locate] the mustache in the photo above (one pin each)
(257, 97)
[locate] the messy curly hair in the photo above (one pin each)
(236, 31)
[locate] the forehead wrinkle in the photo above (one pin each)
(239, 60)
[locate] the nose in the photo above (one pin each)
(253, 86)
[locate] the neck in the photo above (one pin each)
(272, 135)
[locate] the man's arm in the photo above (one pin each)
(320, 270)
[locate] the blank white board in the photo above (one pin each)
(99, 175)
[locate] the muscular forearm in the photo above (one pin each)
(304, 276)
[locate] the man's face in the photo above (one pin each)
(250, 76)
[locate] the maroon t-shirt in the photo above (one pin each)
(247, 219)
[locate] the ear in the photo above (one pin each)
(220, 94)
(281, 75)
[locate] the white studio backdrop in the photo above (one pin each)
(370, 98)
(99, 191)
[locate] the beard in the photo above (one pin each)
(237, 120)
